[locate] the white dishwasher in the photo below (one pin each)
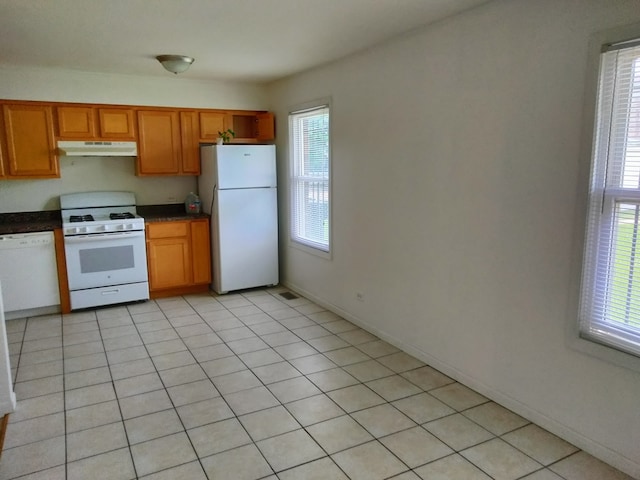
(29, 274)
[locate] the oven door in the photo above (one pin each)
(101, 260)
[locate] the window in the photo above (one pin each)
(610, 296)
(310, 167)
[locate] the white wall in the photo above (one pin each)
(20, 83)
(456, 159)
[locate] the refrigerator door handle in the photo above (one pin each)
(213, 197)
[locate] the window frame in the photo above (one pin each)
(573, 337)
(294, 240)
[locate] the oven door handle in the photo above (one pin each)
(97, 237)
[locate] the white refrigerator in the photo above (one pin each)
(237, 187)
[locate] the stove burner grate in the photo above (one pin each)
(81, 218)
(121, 216)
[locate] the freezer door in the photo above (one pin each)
(245, 239)
(245, 166)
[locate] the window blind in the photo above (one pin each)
(310, 160)
(610, 297)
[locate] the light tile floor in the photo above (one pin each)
(253, 386)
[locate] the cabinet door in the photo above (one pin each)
(30, 141)
(201, 251)
(210, 124)
(158, 143)
(169, 261)
(265, 126)
(76, 122)
(3, 149)
(116, 123)
(190, 130)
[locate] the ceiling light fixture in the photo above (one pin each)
(175, 63)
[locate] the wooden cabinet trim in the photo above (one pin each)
(61, 261)
(201, 251)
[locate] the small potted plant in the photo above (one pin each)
(225, 137)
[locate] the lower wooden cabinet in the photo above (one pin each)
(178, 257)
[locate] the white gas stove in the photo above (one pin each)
(99, 212)
(105, 248)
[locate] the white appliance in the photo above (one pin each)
(238, 187)
(75, 148)
(105, 248)
(29, 274)
(7, 396)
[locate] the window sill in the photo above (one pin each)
(310, 250)
(603, 352)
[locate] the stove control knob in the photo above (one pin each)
(129, 227)
(82, 230)
(105, 228)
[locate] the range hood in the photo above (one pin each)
(97, 149)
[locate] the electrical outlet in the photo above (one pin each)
(360, 296)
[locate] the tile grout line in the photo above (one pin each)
(64, 402)
(199, 459)
(302, 427)
(262, 383)
(113, 385)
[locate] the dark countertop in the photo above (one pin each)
(28, 222)
(166, 213)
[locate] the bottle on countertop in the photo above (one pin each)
(192, 203)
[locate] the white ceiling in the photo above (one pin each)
(240, 40)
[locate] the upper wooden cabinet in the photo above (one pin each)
(28, 141)
(168, 143)
(3, 148)
(76, 122)
(190, 143)
(210, 124)
(168, 138)
(116, 123)
(159, 145)
(90, 123)
(252, 127)
(249, 127)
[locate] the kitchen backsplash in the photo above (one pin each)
(81, 174)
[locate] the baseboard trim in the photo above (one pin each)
(565, 432)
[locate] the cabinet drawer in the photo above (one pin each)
(167, 229)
